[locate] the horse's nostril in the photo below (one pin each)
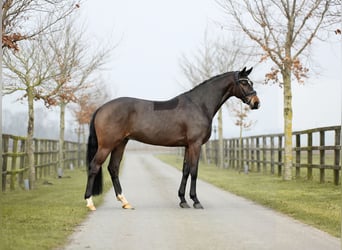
(255, 105)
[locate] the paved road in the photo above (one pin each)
(227, 222)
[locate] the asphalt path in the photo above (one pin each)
(157, 222)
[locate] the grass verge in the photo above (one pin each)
(43, 218)
(313, 203)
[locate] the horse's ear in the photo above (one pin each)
(242, 72)
(248, 71)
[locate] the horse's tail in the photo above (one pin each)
(91, 151)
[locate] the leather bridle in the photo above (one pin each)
(244, 93)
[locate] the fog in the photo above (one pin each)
(46, 123)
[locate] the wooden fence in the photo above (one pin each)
(14, 165)
(318, 148)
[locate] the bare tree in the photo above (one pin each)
(76, 64)
(333, 21)
(30, 72)
(22, 19)
(283, 30)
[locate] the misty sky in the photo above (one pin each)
(152, 35)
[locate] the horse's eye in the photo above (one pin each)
(247, 82)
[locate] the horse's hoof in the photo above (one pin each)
(91, 207)
(198, 205)
(127, 206)
(184, 205)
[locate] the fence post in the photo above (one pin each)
(236, 154)
(232, 153)
(216, 153)
(252, 154)
(257, 143)
(35, 160)
(337, 153)
(75, 161)
(49, 158)
(55, 157)
(280, 153)
(225, 154)
(42, 149)
(248, 154)
(22, 158)
(310, 156)
(5, 144)
(297, 155)
(207, 152)
(272, 154)
(241, 156)
(264, 154)
(14, 162)
(322, 156)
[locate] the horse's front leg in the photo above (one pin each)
(186, 172)
(194, 153)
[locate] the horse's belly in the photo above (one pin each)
(162, 137)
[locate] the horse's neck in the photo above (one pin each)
(212, 95)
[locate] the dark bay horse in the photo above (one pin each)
(185, 120)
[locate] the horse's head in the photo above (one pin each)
(244, 89)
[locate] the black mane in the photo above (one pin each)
(211, 79)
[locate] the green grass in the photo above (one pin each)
(315, 204)
(43, 218)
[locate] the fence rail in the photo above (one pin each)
(318, 148)
(46, 159)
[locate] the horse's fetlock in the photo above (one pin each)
(194, 198)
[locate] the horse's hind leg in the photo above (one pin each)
(113, 168)
(95, 166)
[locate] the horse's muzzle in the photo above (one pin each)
(254, 102)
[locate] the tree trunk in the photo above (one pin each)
(287, 171)
(220, 139)
(30, 142)
(61, 134)
(286, 74)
